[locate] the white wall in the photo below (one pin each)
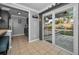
(78, 29)
(33, 27)
(18, 29)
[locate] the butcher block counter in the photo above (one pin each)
(2, 32)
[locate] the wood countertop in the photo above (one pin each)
(2, 32)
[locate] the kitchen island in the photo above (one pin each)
(5, 32)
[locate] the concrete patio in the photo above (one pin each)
(63, 41)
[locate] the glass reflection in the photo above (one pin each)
(48, 28)
(64, 29)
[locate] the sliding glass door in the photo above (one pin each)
(48, 28)
(64, 29)
(60, 27)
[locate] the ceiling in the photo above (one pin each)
(17, 11)
(37, 6)
(14, 11)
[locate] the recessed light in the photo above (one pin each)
(19, 13)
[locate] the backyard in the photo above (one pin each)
(69, 33)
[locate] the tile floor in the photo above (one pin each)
(20, 46)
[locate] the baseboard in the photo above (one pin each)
(10, 47)
(18, 35)
(33, 40)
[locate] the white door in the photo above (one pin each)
(15, 26)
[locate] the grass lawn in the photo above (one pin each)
(69, 33)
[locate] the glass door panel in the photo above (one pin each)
(48, 28)
(64, 29)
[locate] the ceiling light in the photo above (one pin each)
(19, 13)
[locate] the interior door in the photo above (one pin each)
(15, 26)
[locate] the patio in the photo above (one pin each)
(63, 41)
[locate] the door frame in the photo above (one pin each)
(75, 31)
